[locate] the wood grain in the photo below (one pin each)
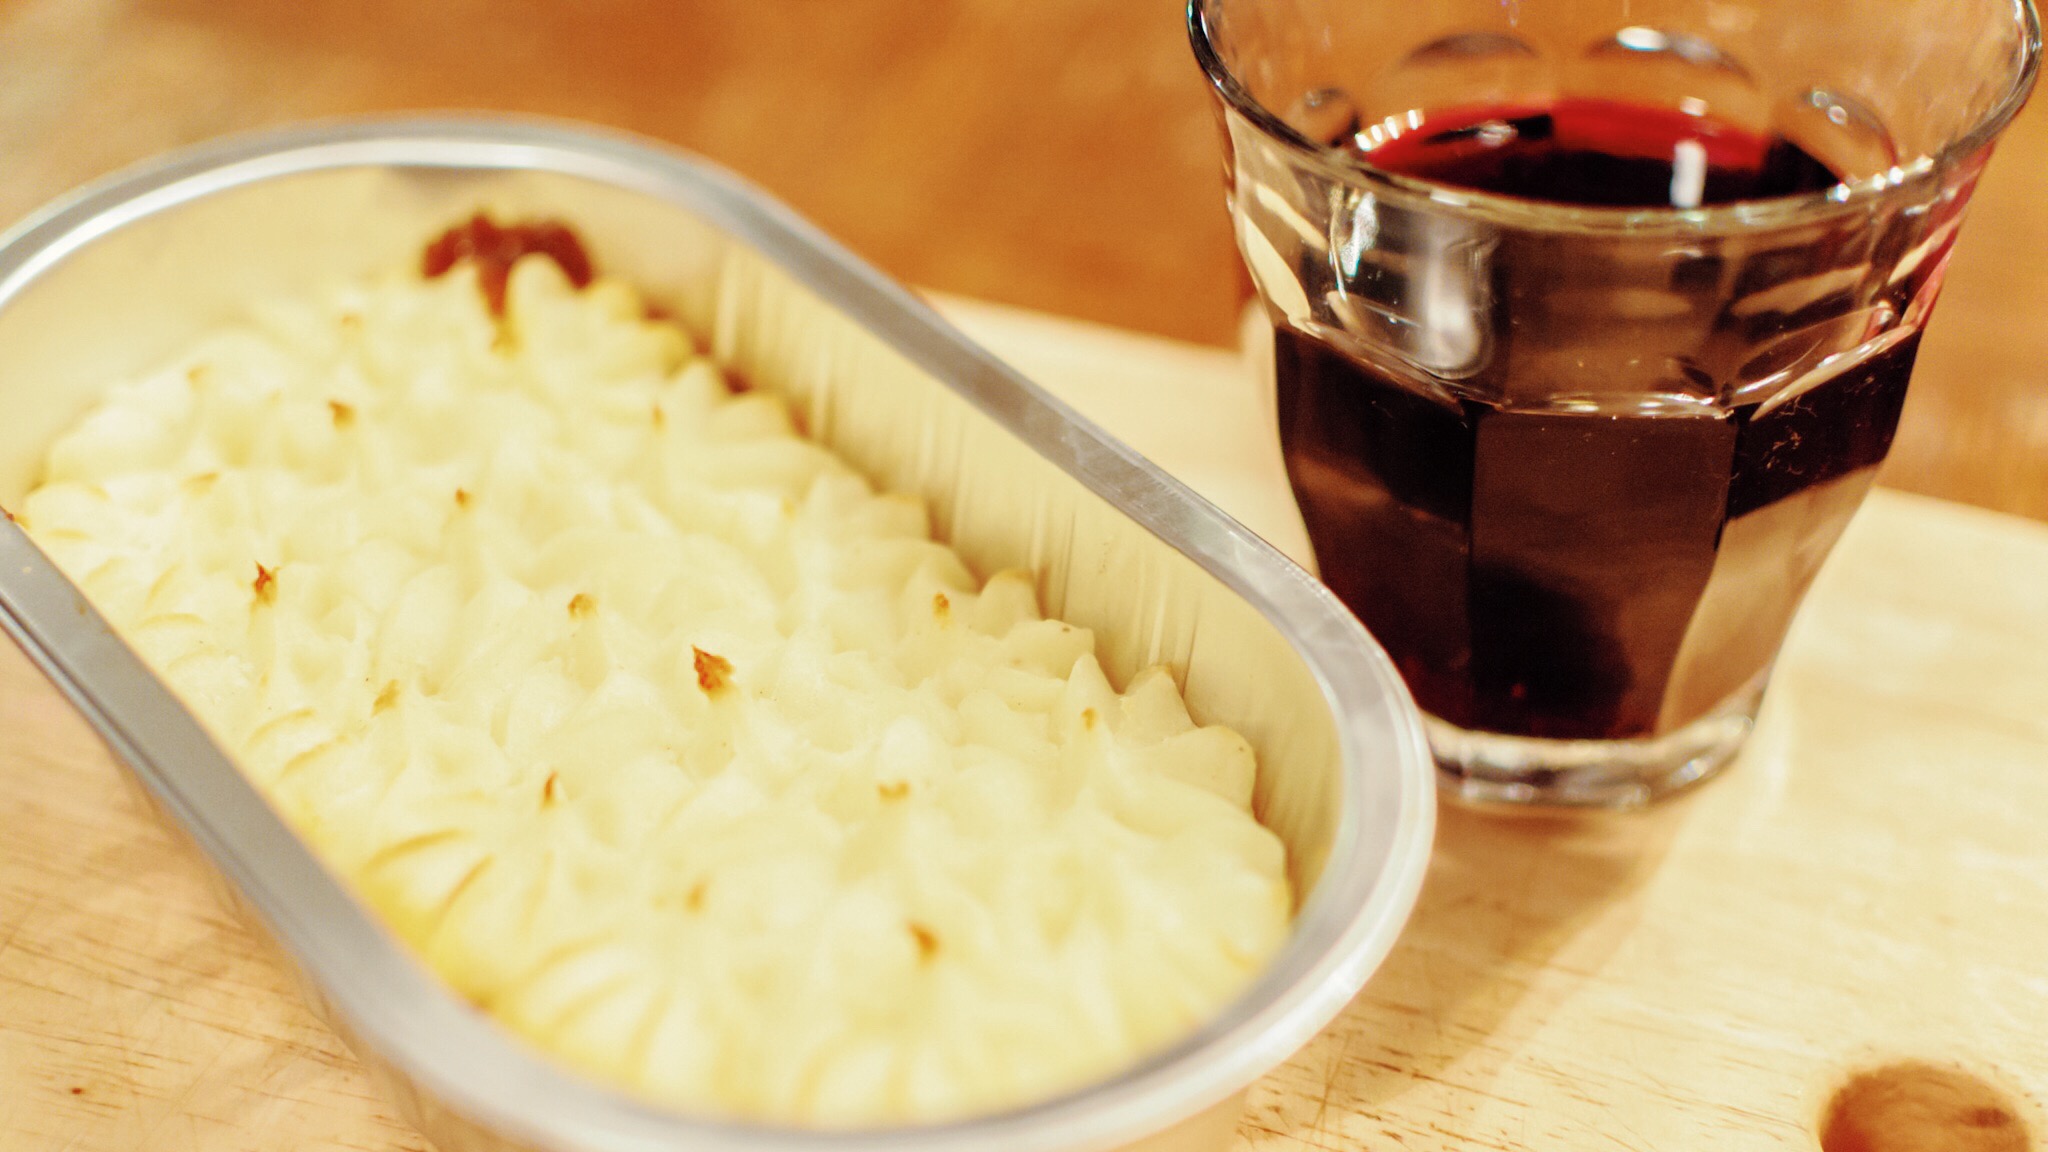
(135, 1012)
(1058, 155)
(1865, 886)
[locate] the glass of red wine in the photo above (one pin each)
(1592, 323)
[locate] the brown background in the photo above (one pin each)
(1057, 154)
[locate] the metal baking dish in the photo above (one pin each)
(119, 275)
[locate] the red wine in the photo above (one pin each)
(1601, 153)
(1605, 568)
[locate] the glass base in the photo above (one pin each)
(1492, 769)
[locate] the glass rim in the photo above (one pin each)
(1544, 215)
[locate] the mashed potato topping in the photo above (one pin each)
(648, 723)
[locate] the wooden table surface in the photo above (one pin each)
(1867, 885)
(1058, 154)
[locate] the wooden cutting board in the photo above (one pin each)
(1868, 884)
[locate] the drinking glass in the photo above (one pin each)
(1575, 464)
